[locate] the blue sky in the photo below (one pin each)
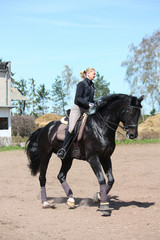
(41, 37)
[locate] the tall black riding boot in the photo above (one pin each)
(62, 151)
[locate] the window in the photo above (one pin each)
(3, 123)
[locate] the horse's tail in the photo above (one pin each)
(32, 152)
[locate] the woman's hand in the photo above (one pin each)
(91, 105)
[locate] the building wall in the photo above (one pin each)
(5, 106)
(5, 89)
(5, 113)
(5, 134)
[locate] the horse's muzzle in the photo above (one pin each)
(132, 133)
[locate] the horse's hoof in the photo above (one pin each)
(105, 209)
(47, 205)
(96, 197)
(106, 213)
(71, 203)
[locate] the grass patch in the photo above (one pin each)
(138, 141)
(11, 148)
(118, 142)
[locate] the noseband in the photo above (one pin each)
(125, 128)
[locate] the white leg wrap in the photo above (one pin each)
(71, 202)
(48, 205)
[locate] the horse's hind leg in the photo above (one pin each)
(66, 165)
(44, 160)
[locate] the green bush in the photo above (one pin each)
(22, 125)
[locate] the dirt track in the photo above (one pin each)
(135, 198)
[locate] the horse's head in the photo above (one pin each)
(116, 108)
(130, 115)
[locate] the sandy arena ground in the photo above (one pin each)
(135, 198)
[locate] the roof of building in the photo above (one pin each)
(7, 106)
(16, 95)
(3, 66)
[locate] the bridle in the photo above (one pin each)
(125, 128)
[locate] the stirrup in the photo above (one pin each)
(61, 153)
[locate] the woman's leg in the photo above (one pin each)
(75, 114)
(73, 117)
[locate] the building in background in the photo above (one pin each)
(7, 94)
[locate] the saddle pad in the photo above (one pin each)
(82, 127)
(62, 129)
(61, 132)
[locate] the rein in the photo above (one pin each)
(106, 123)
(125, 128)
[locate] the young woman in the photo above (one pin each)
(84, 99)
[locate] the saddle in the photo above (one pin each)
(78, 130)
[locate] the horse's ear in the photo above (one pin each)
(141, 98)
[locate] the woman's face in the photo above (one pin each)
(91, 75)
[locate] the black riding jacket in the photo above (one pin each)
(84, 93)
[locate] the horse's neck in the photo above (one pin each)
(111, 114)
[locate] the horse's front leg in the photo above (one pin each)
(96, 166)
(66, 165)
(107, 167)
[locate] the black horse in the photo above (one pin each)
(96, 145)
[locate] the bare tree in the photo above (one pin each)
(142, 69)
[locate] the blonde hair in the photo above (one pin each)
(84, 73)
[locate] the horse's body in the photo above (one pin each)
(95, 147)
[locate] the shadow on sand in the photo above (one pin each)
(114, 202)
